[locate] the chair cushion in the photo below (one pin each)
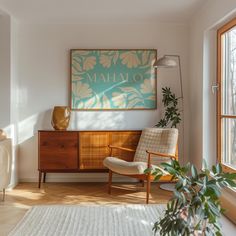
(156, 140)
(124, 167)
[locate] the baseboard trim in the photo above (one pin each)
(79, 180)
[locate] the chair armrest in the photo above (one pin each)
(161, 154)
(122, 148)
(157, 154)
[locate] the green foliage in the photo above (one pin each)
(172, 114)
(195, 207)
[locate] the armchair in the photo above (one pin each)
(5, 164)
(155, 146)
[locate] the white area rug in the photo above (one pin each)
(115, 220)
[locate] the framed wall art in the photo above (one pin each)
(121, 79)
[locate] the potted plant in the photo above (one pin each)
(195, 206)
(172, 113)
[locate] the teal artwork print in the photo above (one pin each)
(113, 79)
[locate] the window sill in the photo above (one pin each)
(228, 202)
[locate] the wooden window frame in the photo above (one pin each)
(220, 117)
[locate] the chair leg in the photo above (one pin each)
(44, 177)
(109, 182)
(3, 194)
(40, 178)
(148, 188)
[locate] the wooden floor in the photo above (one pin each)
(25, 195)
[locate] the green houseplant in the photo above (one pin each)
(195, 206)
(172, 113)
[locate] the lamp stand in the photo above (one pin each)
(171, 186)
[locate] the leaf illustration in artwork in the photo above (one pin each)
(89, 63)
(77, 59)
(90, 103)
(133, 95)
(110, 53)
(80, 53)
(134, 102)
(105, 61)
(76, 68)
(130, 59)
(98, 103)
(105, 102)
(128, 89)
(147, 86)
(145, 56)
(116, 56)
(79, 104)
(150, 70)
(81, 90)
(119, 99)
(152, 97)
(76, 77)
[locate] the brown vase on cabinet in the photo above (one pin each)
(60, 117)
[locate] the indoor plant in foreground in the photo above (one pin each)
(195, 207)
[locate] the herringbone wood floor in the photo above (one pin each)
(25, 195)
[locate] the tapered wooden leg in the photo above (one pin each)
(3, 194)
(44, 177)
(148, 188)
(40, 178)
(109, 182)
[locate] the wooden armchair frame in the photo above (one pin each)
(143, 177)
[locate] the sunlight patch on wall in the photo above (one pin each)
(26, 128)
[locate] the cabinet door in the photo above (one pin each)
(127, 139)
(58, 150)
(93, 148)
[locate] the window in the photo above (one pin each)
(226, 109)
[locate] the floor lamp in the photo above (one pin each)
(167, 61)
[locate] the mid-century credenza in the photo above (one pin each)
(81, 151)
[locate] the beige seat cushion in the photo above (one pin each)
(124, 167)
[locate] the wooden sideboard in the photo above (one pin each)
(81, 151)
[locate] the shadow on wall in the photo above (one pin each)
(97, 120)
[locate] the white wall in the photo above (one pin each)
(203, 75)
(8, 86)
(43, 70)
(203, 69)
(5, 68)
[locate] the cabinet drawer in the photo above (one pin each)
(93, 148)
(58, 150)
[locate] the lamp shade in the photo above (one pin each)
(164, 62)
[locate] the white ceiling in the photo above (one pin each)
(91, 11)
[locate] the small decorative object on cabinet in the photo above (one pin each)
(60, 117)
(80, 151)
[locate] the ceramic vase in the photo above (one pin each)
(60, 117)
